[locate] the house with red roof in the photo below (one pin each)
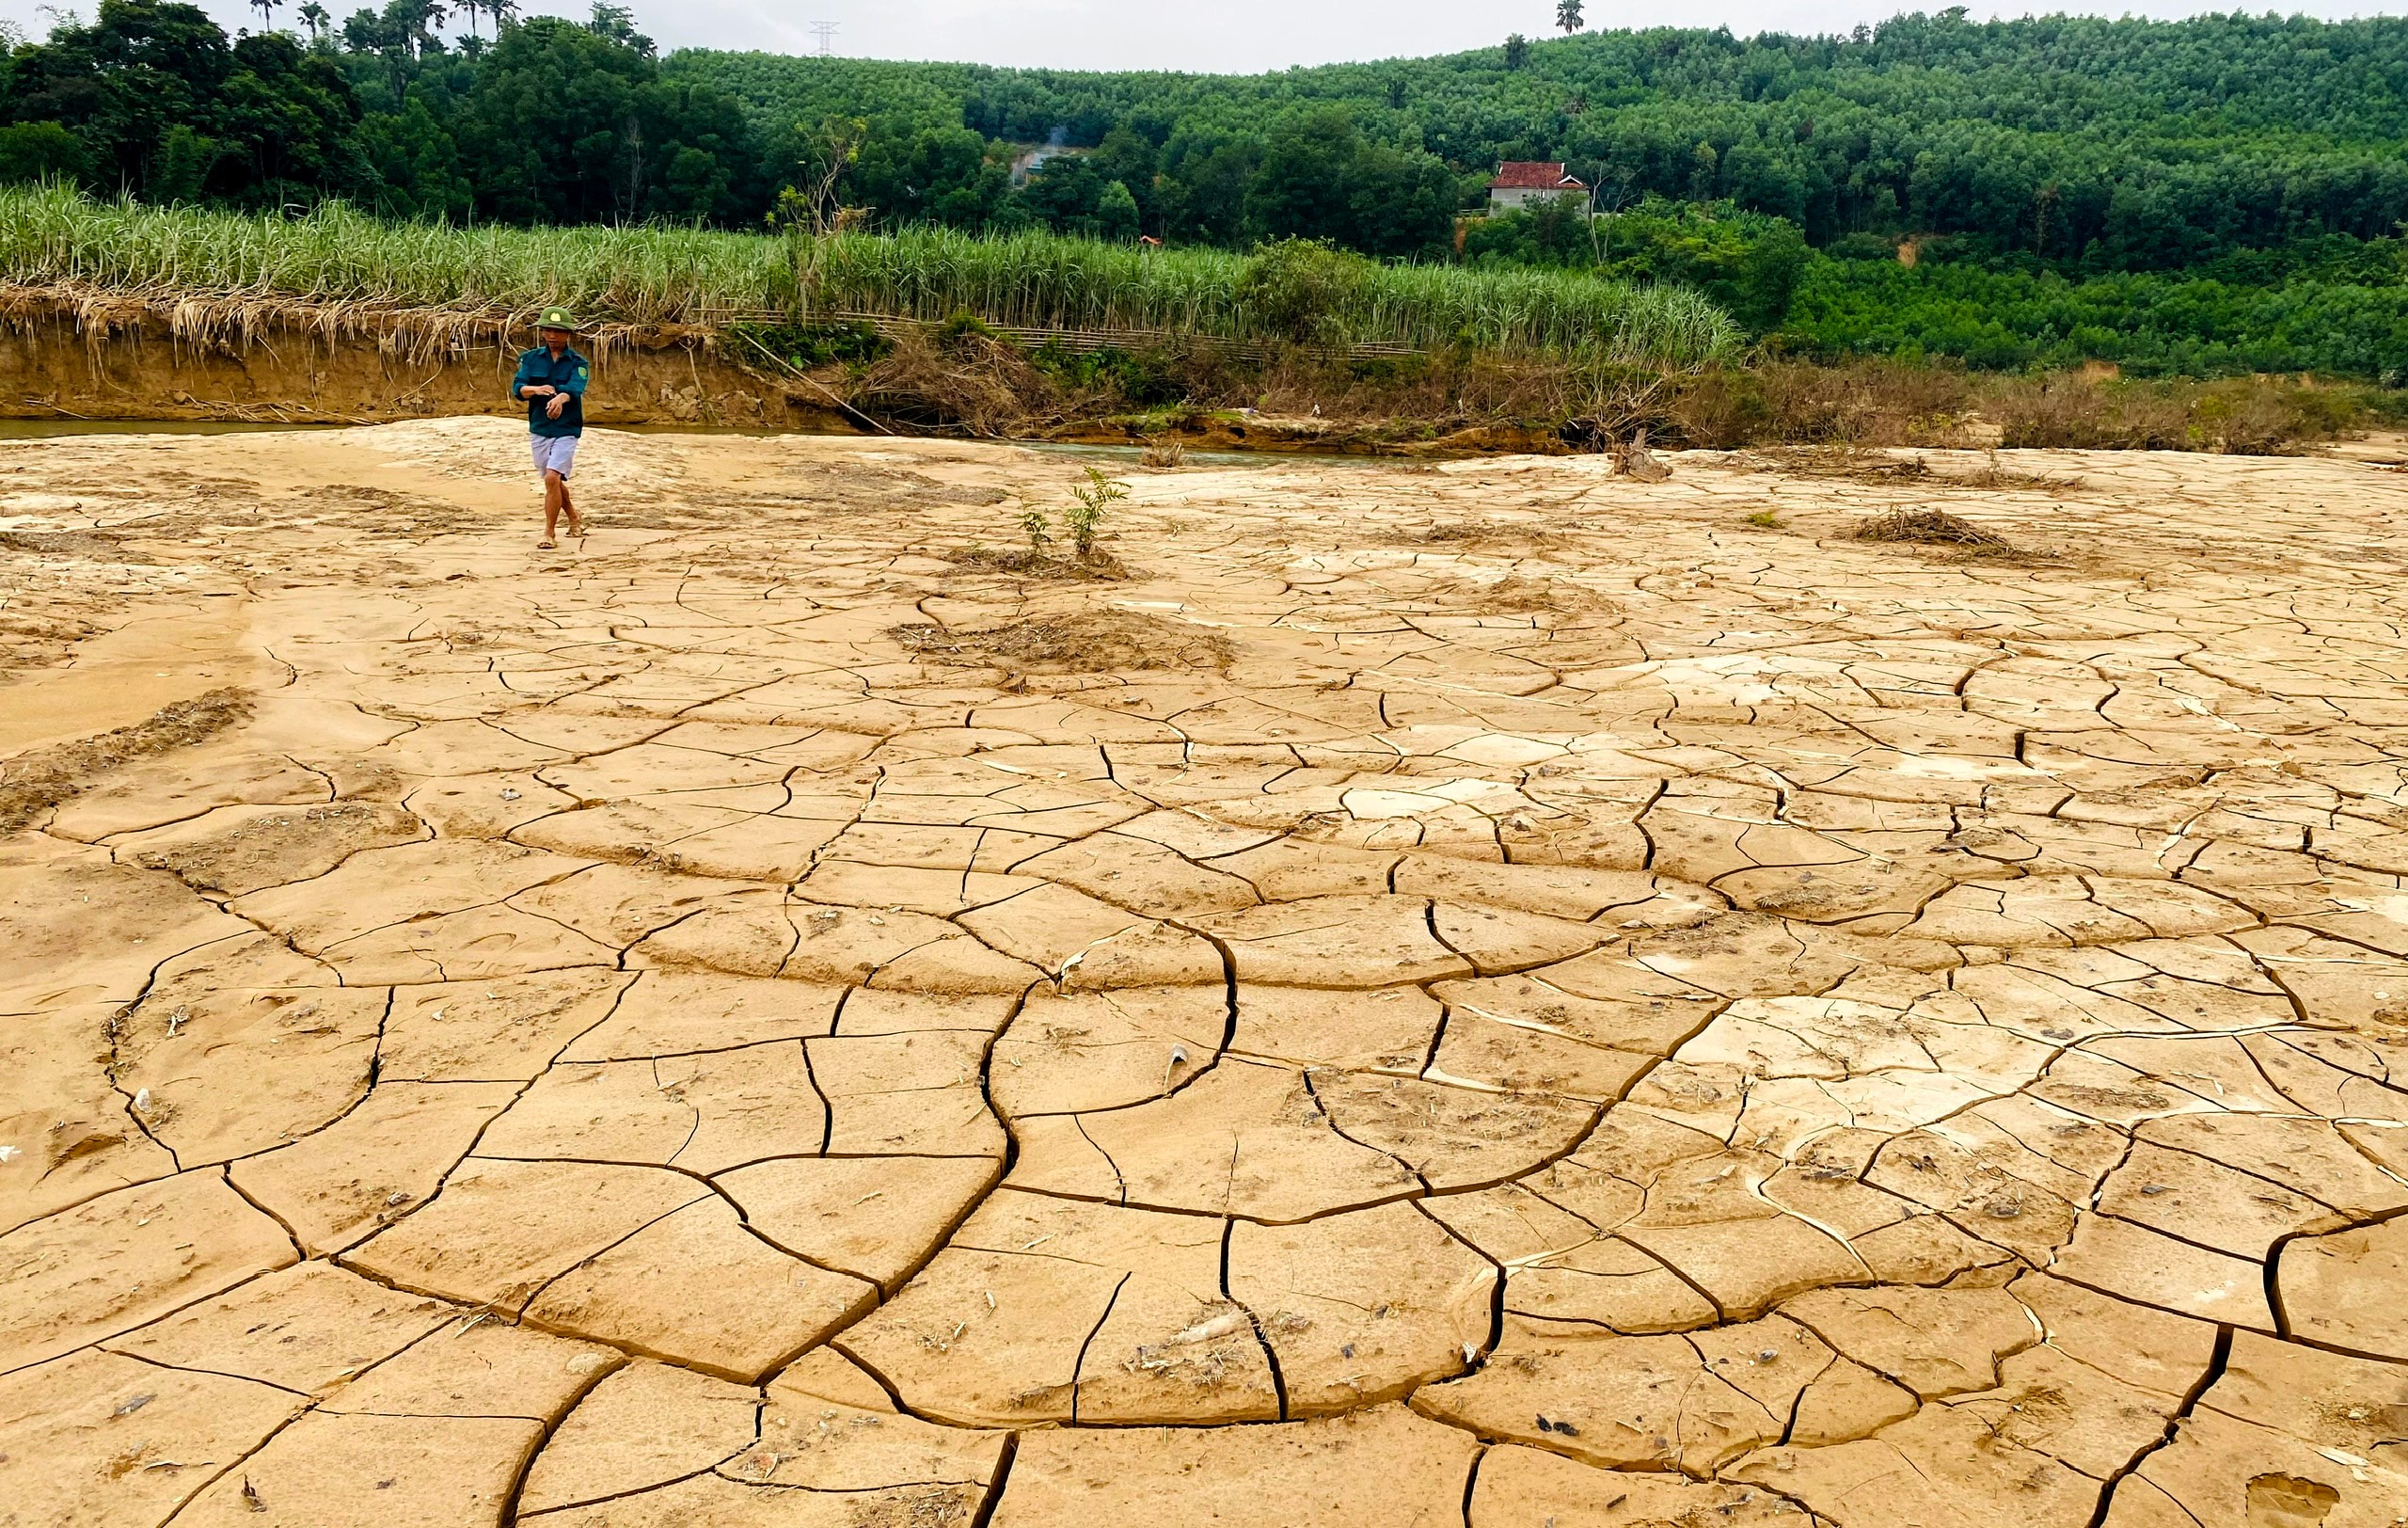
(1521, 182)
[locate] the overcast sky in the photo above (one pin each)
(1196, 35)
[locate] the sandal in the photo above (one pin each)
(547, 544)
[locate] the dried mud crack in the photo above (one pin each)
(1489, 993)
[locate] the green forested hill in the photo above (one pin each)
(2126, 145)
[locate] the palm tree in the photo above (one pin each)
(315, 17)
(1567, 16)
(267, 12)
(503, 11)
(413, 23)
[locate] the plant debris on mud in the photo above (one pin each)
(1855, 463)
(1518, 593)
(1991, 475)
(1022, 561)
(68, 544)
(38, 781)
(1471, 533)
(1930, 528)
(1092, 643)
(1861, 464)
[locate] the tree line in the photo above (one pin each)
(544, 121)
(2261, 153)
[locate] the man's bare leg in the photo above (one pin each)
(568, 507)
(555, 494)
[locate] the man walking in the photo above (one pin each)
(552, 382)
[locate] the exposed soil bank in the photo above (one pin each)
(92, 354)
(1256, 431)
(132, 363)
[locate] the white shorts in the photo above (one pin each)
(554, 454)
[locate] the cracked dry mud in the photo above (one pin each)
(1617, 1018)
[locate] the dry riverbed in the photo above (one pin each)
(1480, 993)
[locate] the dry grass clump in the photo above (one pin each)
(2238, 417)
(1165, 454)
(1095, 642)
(1991, 475)
(1519, 593)
(1930, 528)
(34, 783)
(1874, 401)
(1472, 532)
(1858, 464)
(1445, 533)
(68, 544)
(1862, 464)
(968, 384)
(1855, 404)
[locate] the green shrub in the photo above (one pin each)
(1146, 380)
(2348, 320)
(1084, 518)
(1305, 289)
(40, 151)
(808, 345)
(964, 326)
(1747, 262)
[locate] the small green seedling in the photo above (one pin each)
(1039, 531)
(1098, 494)
(1765, 519)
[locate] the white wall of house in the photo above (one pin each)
(1508, 199)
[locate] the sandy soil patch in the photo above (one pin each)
(1484, 992)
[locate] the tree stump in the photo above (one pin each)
(1636, 461)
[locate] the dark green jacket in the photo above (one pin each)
(568, 375)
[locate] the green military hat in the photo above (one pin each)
(557, 317)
